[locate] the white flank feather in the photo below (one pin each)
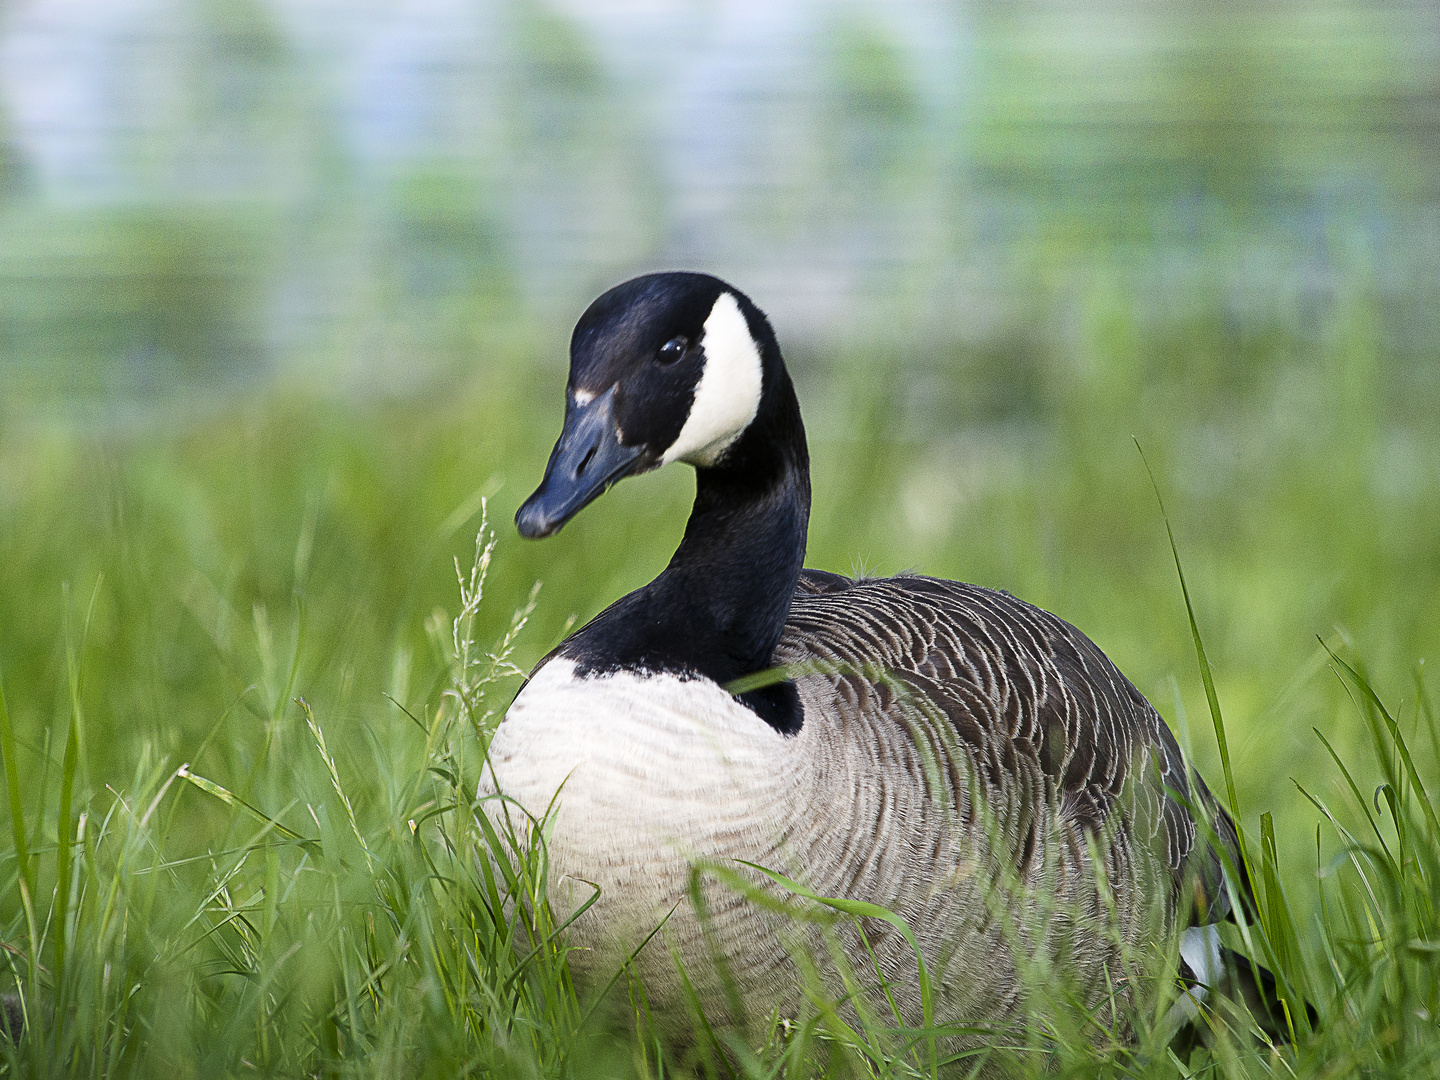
(1200, 949)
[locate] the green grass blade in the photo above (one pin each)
(1363, 685)
(1283, 939)
(1211, 697)
(1353, 847)
(12, 784)
(64, 829)
(623, 967)
(758, 680)
(229, 797)
(861, 909)
(1206, 678)
(549, 939)
(334, 771)
(1422, 703)
(1360, 800)
(65, 825)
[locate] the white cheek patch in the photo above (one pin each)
(728, 393)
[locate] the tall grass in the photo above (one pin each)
(299, 941)
(409, 937)
(241, 751)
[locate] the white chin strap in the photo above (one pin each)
(728, 393)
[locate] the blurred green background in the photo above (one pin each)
(286, 287)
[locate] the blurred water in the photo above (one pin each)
(213, 189)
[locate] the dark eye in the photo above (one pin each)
(672, 350)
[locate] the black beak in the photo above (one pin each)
(587, 459)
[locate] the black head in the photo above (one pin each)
(666, 367)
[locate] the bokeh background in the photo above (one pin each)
(286, 287)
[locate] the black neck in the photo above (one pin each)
(719, 608)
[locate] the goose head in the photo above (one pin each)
(663, 368)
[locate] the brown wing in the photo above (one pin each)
(1051, 725)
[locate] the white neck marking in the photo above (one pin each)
(727, 397)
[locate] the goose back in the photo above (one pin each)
(1044, 715)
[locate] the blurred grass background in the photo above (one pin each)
(286, 287)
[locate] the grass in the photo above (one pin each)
(244, 708)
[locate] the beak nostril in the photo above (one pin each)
(585, 461)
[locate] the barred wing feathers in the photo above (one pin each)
(1055, 735)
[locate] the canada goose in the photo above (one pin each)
(934, 738)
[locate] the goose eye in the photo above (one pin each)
(672, 350)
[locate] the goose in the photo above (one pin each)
(916, 741)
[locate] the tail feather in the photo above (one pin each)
(1209, 969)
